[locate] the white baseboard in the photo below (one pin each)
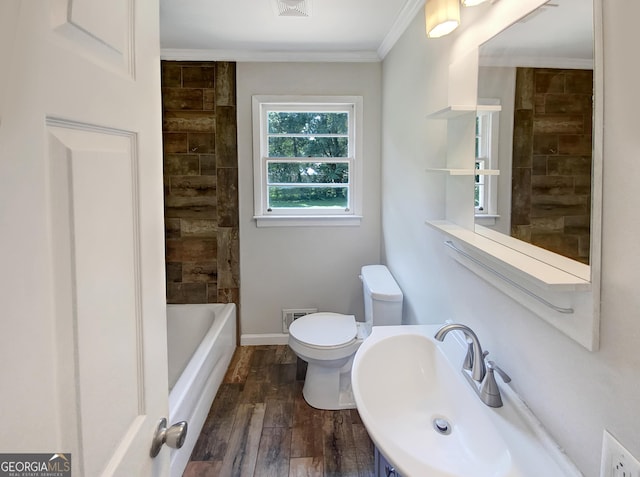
(264, 339)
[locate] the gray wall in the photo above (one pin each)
(575, 393)
(294, 267)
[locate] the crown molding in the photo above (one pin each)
(405, 17)
(179, 54)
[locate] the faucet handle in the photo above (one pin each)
(489, 390)
(468, 359)
(493, 366)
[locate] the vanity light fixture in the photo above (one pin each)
(442, 17)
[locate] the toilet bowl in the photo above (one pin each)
(328, 341)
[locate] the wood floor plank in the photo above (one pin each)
(216, 430)
(263, 357)
(285, 355)
(339, 448)
(282, 382)
(239, 366)
(307, 435)
(242, 451)
(253, 391)
(279, 413)
(282, 373)
(282, 392)
(364, 450)
(203, 469)
(274, 453)
(306, 467)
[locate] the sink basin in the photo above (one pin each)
(425, 418)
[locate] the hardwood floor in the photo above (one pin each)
(260, 426)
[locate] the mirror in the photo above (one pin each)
(535, 124)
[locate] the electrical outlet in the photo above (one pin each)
(616, 460)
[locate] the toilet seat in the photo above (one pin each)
(324, 330)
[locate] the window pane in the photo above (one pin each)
(308, 146)
(308, 172)
(306, 197)
(283, 122)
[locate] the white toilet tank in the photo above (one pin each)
(382, 296)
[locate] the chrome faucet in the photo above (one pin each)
(475, 355)
(479, 375)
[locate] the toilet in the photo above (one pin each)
(329, 341)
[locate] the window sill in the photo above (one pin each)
(308, 221)
(486, 219)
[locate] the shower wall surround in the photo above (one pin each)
(200, 181)
(551, 183)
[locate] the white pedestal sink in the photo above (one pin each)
(425, 418)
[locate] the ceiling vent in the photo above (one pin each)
(292, 8)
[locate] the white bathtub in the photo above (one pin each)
(201, 340)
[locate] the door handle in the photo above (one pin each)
(173, 436)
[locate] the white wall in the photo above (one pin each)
(575, 393)
(299, 267)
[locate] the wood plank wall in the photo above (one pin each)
(200, 181)
(552, 150)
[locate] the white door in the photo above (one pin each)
(83, 364)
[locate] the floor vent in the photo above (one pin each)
(290, 314)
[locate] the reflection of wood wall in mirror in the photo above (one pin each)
(552, 155)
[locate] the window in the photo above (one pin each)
(486, 188)
(480, 192)
(307, 165)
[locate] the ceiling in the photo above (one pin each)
(559, 33)
(251, 29)
(349, 30)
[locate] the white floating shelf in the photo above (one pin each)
(464, 172)
(458, 110)
(517, 265)
(556, 295)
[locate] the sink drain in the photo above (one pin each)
(442, 426)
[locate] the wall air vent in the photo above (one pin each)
(292, 8)
(290, 314)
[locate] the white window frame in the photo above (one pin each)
(352, 215)
(488, 137)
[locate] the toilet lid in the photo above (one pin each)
(324, 329)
